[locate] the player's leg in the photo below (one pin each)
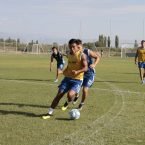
(141, 71)
(74, 89)
(63, 88)
(85, 91)
(59, 68)
(87, 83)
(144, 73)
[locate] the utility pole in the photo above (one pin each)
(80, 30)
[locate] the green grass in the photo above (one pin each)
(114, 113)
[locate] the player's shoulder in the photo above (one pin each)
(86, 51)
(139, 48)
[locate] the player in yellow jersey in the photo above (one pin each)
(93, 59)
(74, 73)
(140, 58)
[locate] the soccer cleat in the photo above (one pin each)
(56, 81)
(64, 107)
(47, 116)
(75, 100)
(80, 107)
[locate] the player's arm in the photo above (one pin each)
(64, 55)
(96, 56)
(84, 65)
(136, 56)
(51, 61)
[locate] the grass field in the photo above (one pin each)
(114, 113)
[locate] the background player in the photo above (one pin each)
(59, 59)
(140, 58)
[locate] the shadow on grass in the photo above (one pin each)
(26, 105)
(27, 114)
(124, 82)
(63, 119)
(23, 105)
(5, 112)
(28, 80)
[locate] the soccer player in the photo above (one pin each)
(88, 75)
(140, 54)
(74, 73)
(60, 61)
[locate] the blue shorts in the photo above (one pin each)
(141, 65)
(68, 84)
(88, 81)
(60, 66)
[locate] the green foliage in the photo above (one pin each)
(135, 44)
(116, 41)
(109, 42)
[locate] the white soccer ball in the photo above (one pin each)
(74, 114)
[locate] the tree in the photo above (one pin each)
(37, 42)
(135, 44)
(109, 41)
(105, 41)
(116, 41)
(89, 45)
(18, 40)
(55, 44)
(1, 40)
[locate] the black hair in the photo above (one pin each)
(54, 48)
(79, 41)
(142, 41)
(76, 41)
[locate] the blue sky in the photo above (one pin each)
(61, 19)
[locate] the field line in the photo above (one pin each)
(75, 135)
(93, 133)
(54, 84)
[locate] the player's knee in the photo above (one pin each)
(70, 95)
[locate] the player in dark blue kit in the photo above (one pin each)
(88, 75)
(59, 59)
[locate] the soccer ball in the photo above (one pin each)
(74, 114)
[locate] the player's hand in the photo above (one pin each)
(74, 72)
(92, 66)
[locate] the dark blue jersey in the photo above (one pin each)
(90, 71)
(58, 57)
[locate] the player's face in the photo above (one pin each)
(73, 48)
(80, 47)
(143, 45)
(54, 51)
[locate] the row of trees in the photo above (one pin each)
(103, 41)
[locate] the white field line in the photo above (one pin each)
(80, 140)
(114, 89)
(83, 141)
(54, 84)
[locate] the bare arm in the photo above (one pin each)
(65, 55)
(51, 61)
(136, 56)
(96, 56)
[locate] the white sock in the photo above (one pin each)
(50, 111)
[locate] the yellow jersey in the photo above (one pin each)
(74, 63)
(141, 55)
